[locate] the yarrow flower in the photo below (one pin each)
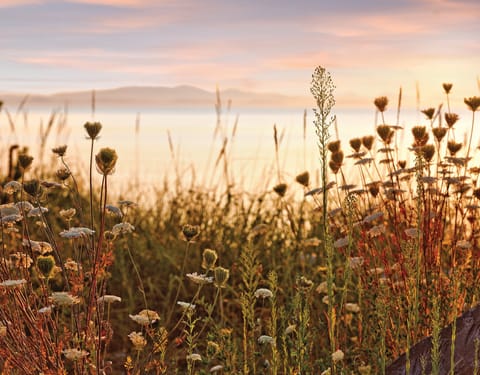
(74, 354)
(38, 246)
(145, 317)
(137, 340)
(337, 356)
(108, 298)
(186, 305)
(352, 307)
(263, 293)
(122, 228)
(200, 278)
(265, 339)
(12, 187)
(13, 283)
(64, 299)
(76, 232)
(194, 357)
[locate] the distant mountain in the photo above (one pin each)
(156, 97)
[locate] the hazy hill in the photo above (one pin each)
(154, 97)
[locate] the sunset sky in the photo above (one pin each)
(371, 47)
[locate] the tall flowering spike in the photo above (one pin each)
(93, 129)
(106, 160)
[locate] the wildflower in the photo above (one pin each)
(333, 146)
(377, 230)
(209, 258)
(290, 329)
(108, 298)
(45, 265)
(337, 356)
(429, 112)
(74, 354)
(447, 87)
(303, 178)
(322, 288)
(451, 119)
(439, 133)
(381, 103)
(216, 368)
(11, 219)
(63, 173)
(264, 339)
(64, 299)
(68, 214)
(385, 132)
(37, 211)
(263, 293)
(356, 143)
(106, 160)
(194, 357)
(12, 187)
(304, 284)
(71, 265)
(24, 206)
(280, 189)
(13, 283)
(77, 232)
(93, 129)
(60, 150)
(122, 228)
(114, 210)
(138, 341)
(21, 260)
(186, 306)
(145, 317)
(200, 278)
(352, 307)
(213, 348)
(25, 161)
(190, 231)
(221, 276)
(33, 188)
(367, 141)
(46, 310)
(473, 102)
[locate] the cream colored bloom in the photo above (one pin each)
(263, 293)
(108, 298)
(71, 265)
(68, 214)
(137, 340)
(194, 357)
(74, 354)
(186, 305)
(64, 299)
(352, 307)
(216, 368)
(200, 278)
(337, 356)
(265, 339)
(12, 283)
(122, 228)
(145, 317)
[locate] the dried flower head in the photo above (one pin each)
(472, 103)
(381, 103)
(385, 132)
(12, 187)
(33, 188)
(333, 146)
(367, 141)
(190, 231)
(63, 174)
(447, 87)
(337, 157)
(68, 214)
(137, 340)
(209, 258)
(337, 356)
(74, 354)
(221, 276)
(303, 178)
(439, 133)
(93, 129)
(356, 143)
(46, 265)
(263, 293)
(106, 160)
(60, 150)
(428, 151)
(64, 299)
(280, 189)
(25, 161)
(453, 147)
(451, 119)
(429, 112)
(420, 135)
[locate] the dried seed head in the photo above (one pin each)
(45, 265)
(402, 163)
(93, 129)
(367, 141)
(25, 161)
(428, 151)
(190, 231)
(63, 173)
(420, 135)
(60, 150)
(303, 178)
(451, 119)
(453, 147)
(334, 167)
(447, 87)
(33, 188)
(280, 189)
(429, 112)
(472, 103)
(381, 103)
(333, 146)
(439, 133)
(356, 143)
(385, 132)
(106, 160)
(374, 189)
(221, 276)
(209, 258)
(337, 157)
(304, 284)
(476, 193)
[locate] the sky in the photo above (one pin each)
(370, 47)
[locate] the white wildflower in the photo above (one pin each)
(194, 357)
(122, 228)
(74, 354)
(186, 305)
(338, 356)
(265, 339)
(12, 187)
(37, 211)
(108, 298)
(352, 307)
(200, 278)
(263, 293)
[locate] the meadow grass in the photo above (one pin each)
(210, 279)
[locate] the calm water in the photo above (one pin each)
(141, 140)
